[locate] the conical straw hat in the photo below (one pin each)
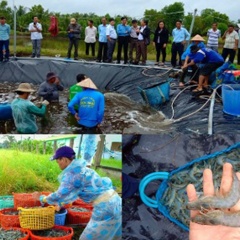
(87, 83)
(198, 38)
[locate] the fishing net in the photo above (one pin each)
(171, 197)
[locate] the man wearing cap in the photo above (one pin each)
(24, 111)
(91, 106)
(196, 40)
(211, 60)
(78, 181)
(49, 88)
(36, 36)
(73, 31)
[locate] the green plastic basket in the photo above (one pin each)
(6, 202)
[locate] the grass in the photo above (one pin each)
(111, 163)
(28, 172)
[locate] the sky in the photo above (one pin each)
(133, 8)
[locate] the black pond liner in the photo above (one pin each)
(123, 79)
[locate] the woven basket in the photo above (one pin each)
(7, 220)
(77, 218)
(66, 229)
(37, 218)
(6, 202)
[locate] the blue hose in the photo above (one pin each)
(145, 181)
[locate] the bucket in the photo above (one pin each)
(60, 218)
(231, 99)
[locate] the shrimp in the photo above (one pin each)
(210, 202)
(218, 217)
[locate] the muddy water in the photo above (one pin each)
(121, 115)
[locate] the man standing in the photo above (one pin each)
(111, 37)
(4, 39)
(49, 88)
(231, 43)
(91, 106)
(36, 36)
(123, 31)
(90, 37)
(143, 41)
(133, 40)
(213, 35)
(180, 36)
(24, 111)
(73, 30)
(102, 41)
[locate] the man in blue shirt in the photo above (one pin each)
(123, 31)
(91, 107)
(180, 36)
(102, 41)
(211, 59)
(4, 39)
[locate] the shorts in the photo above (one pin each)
(208, 68)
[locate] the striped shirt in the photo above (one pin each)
(4, 32)
(213, 37)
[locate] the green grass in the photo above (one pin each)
(28, 172)
(111, 163)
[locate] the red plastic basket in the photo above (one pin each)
(66, 229)
(25, 200)
(82, 204)
(27, 232)
(77, 218)
(7, 220)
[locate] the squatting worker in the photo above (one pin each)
(49, 88)
(78, 181)
(90, 106)
(24, 111)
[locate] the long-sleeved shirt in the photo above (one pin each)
(76, 180)
(188, 50)
(90, 34)
(180, 35)
(91, 107)
(102, 33)
(4, 32)
(123, 30)
(133, 33)
(76, 30)
(24, 113)
(49, 91)
(111, 32)
(35, 35)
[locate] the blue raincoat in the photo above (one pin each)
(88, 147)
(79, 181)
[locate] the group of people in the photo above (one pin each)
(86, 103)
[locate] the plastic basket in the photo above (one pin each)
(77, 218)
(7, 220)
(37, 218)
(67, 237)
(6, 202)
(82, 204)
(60, 218)
(25, 200)
(27, 232)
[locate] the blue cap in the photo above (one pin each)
(63, 152)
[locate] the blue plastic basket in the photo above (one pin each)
(6, 202)
(60, 218)
(165, 176)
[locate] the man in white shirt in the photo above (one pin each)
(213, 35)
(111, 37)
(231, 43)
(36, 36)
(90, 37)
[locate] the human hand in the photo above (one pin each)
(77, 117)
(45, 102)
(43, 199)
(57, 81)
(183, 42)
(164, 45)
(216, 232)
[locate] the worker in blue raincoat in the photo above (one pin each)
(76, 180)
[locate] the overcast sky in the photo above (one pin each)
(133, 8)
